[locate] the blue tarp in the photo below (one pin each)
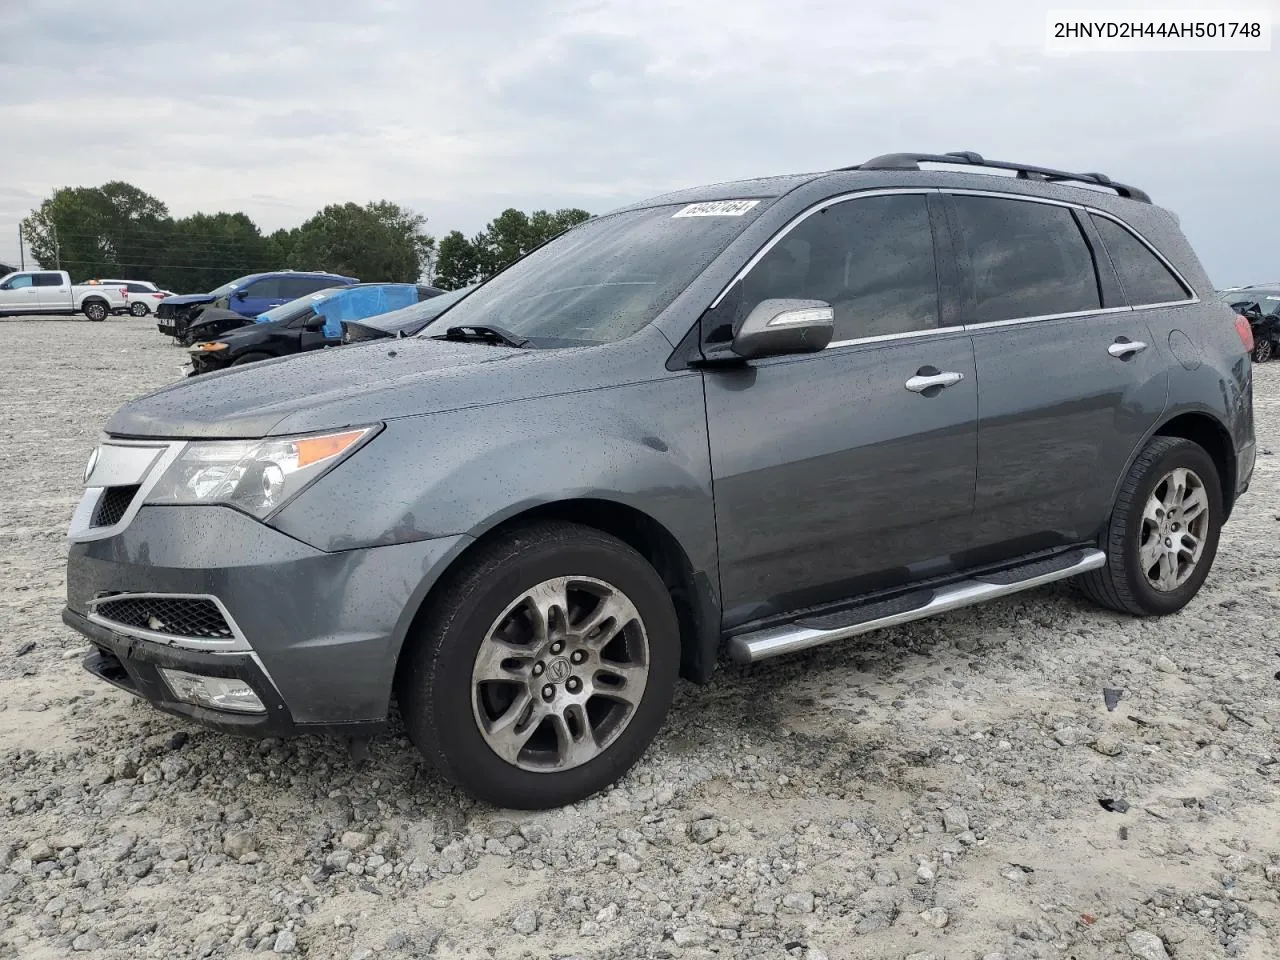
(357, 303)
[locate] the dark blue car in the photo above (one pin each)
(248, 296)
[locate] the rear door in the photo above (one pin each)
(841, 472)
(53, 290)
(1069, 379)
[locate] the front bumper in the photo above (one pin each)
(321, 632)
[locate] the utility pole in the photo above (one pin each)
(22, 253)
(57, 250)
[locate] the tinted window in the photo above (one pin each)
(291, 287)
(20, 283)
(266, 289)
(1026, 259)
(604, 279)
(139, 288)
(871, 259)
(48, 279)
(1144, 278)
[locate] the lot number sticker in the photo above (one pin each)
(716, 208)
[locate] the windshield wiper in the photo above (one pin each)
(487, 332)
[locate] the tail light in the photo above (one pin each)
(1246, 333)
(158, 296)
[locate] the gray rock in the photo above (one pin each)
(799, 902)
(689, 937)
(955, 820)
(239, 843)
(286, 942)
(704, 831)
(38, 851)
(353, 841)
(628, 864)
(1165, 665)
(88, 942)
(8, 884)
(526, 922)
(1108, 745)
(1146, 946)
(936, 917)
(1068, 736)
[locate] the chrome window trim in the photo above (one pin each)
(1195, 297)
(963, 191)
(82, 530)
(238, 643)
(804, 215)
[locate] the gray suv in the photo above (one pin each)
(727, 423)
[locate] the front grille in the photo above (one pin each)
(193, 617)
(113, 504)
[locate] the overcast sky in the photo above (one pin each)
(459, 110)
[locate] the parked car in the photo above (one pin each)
(738, 420)
(51, 291)
(404, 322)
(144, 295)
(309, 323)
(248, 296)
(1260, 305)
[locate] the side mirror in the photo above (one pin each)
(241, 294)
(314, 323)
(777, 327)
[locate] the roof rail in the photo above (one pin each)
(912, 161)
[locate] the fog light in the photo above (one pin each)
(220, 693)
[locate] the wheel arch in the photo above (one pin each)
(1207, 431)
(696, 606)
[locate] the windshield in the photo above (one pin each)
(601, 281)
(226, 288)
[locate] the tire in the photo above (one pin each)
(1126, 583)
(451, 714)
(250, 358)
(138, 309)
(1263, 350)
(95, 310)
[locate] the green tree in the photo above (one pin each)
(115, 230)
(380, 241)
(208, 249)
(505, 239)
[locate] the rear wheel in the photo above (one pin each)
(1263, 350)
(545, 669)
(1163, 533)
(95, 310)
(139, 309)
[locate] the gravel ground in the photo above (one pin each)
(932, 791)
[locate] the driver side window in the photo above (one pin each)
(19, 283)
(871, 259)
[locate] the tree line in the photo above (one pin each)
(122, 232)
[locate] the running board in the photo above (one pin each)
(791, 637)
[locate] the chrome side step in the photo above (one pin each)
(791, 637)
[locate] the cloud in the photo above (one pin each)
(460, 110)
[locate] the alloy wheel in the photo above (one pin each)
(1175, 522)
(560, 674)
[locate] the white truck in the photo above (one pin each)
(51, 291)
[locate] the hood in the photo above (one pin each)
(189, 299)
(380, 380)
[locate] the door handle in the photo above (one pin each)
(1124, 348)
(925, 381)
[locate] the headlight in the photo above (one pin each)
(257, 476)
(211, 347)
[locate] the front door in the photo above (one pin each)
(1071, 379)
(19, 294)
(849, 470)
(259, 297)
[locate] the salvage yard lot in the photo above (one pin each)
(933, 789)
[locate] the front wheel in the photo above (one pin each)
(544, 670)
(1163, 532)
(138, 309)
(1263, 350)
(95, 310)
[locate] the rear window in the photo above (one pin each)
(1026, 259)
(1145, 278)
(292, 287)
(48, 280)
